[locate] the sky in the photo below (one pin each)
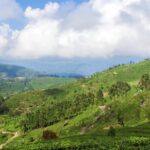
(41, 3)
(34, 29)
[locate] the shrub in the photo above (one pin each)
(100, 94)
(3, 109)
(112, 132)
(31, 139)
(47, 135)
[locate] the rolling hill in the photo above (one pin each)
(12, 71)
(14, 79)
(108, 110)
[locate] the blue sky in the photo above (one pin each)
(41, 3)
(18, 24)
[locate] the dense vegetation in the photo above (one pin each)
(109, 110)
(57, 111)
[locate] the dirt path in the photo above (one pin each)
(15, 135)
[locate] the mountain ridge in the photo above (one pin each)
(13, 71)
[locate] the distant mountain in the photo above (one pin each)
(66, 75)
(12, 71)
(72, 66)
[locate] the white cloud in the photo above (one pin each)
(38, 13)
(97, 28)
(9, 9)
(4, 36)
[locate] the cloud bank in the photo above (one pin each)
(97, 28)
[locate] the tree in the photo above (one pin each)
(144, 82)
(1, 100)
(100, 95)
(112, 132)
(3, 107)
(120, 119)
(48, 135)
(119, 89)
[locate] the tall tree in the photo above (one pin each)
(144, 82)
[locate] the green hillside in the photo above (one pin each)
(13, 86)
(109, 110)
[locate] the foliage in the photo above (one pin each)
(144, 82)
(48, 135)
(48, 115)
(135, 143)
(3, 107)
(112, 132)
(85, 142)
(118, 89)
(100, 94)
(3, 138)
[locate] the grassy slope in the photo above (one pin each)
(49, 82)
(14, 86)
(86, 120)
(130, 73)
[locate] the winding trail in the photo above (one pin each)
(15, 135)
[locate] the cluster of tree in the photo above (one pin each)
(118, 89)
(115, 66)
(49, 115)
(144, 82)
